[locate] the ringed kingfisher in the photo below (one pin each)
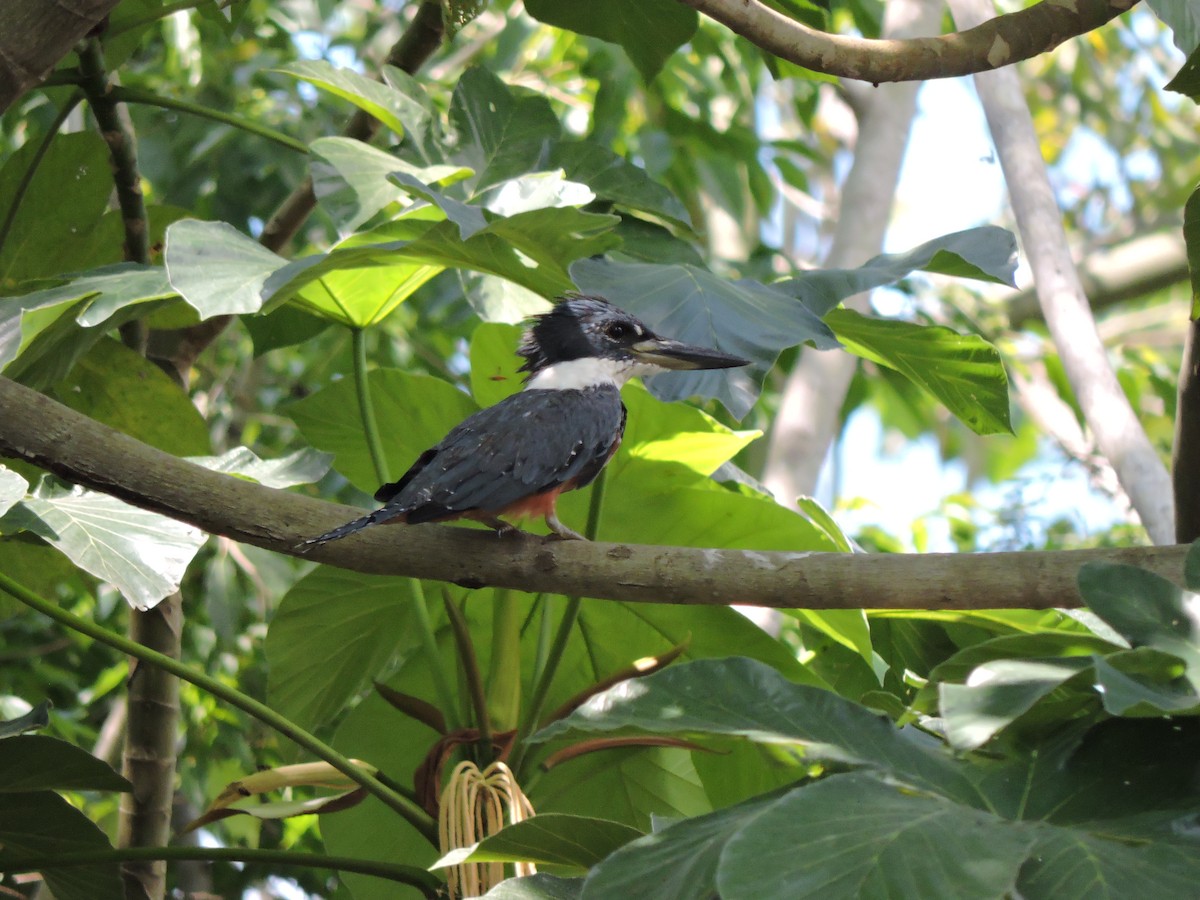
(514, 459)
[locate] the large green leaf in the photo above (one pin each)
(863, 838)
(1067, 865)
(987, 253)
(216, 268)
(116, 386)
(350, 179)
(12, 488)
(691, 304)
(964, 372)
(43, 824)
(997, 693)
(140, 553)
(684, 858)
(414, 412)
(649, 30)
(333, 632)
(553, 839)
(498, 131)
(37, 717)
(1183, 19)
(382, 101)
(1146, 609)
(745, 698)
(537, 887)
(47, 235)
(614, 179)
(34, 762)
(302, 467)
(109, 288)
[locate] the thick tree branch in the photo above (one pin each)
(999, 42)
(35, 35)
(38, 430)
(1185, 461)
(1119, 434)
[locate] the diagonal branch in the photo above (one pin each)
(999, 42)
(38, 430)
(1106, 409)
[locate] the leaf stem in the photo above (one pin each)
(541, 689)
(409, 810)
(425, 882)
(441, 682)
(366, 410)
(123, 94)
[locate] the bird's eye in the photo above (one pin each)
(618, 330)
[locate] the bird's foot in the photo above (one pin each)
(505, 530)
(561, 531)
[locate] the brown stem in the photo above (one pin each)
(999, 42)
(1185, 460)
(40, 431)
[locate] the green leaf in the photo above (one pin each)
(1144, 682)
(1187, 79)
(964, 372)
(1191, 239)
(553, 839)
(997, 693)
(414, 413)
(302, 467)
(382, 101)
(351, 182)
(34, 762)
(12, 489)
(469, 218)
(856, 837)
(1146, 609)
(333, 632)
(43, 824)
(691, 304)
(987, 253)
(140, 553)
(38, 717)
(285, 326)
(1183, 19)
(681, 861)
(648, 30)
(615, 179)
(216, 268)
(820, 516)
(1068, 865)
(47, 236)
(744, 698)
(122, 389)
(109, 288)
(499, 131)
(536, 887)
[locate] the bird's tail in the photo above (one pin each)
(379, 515)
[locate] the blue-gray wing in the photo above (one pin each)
(527, 444)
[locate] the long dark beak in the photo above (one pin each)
(678, 355)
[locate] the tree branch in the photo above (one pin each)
(999, 42)
(1106, 409)
(35, 35)
(1125, 271)
(1185, 462)
(38, 430)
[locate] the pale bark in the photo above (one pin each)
(996, 43)
(1119, 434)
(807, 421)
(40, 431)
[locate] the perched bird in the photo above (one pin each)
(514, 459)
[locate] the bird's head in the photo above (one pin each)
(586, 341)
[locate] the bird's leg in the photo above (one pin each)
(503, 529)
(561, 531)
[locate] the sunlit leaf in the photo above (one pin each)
(302, 467)
(964, 372)
(12, 488)
(550, 839)
(217, 269)
(142, 554)
(384, 102)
